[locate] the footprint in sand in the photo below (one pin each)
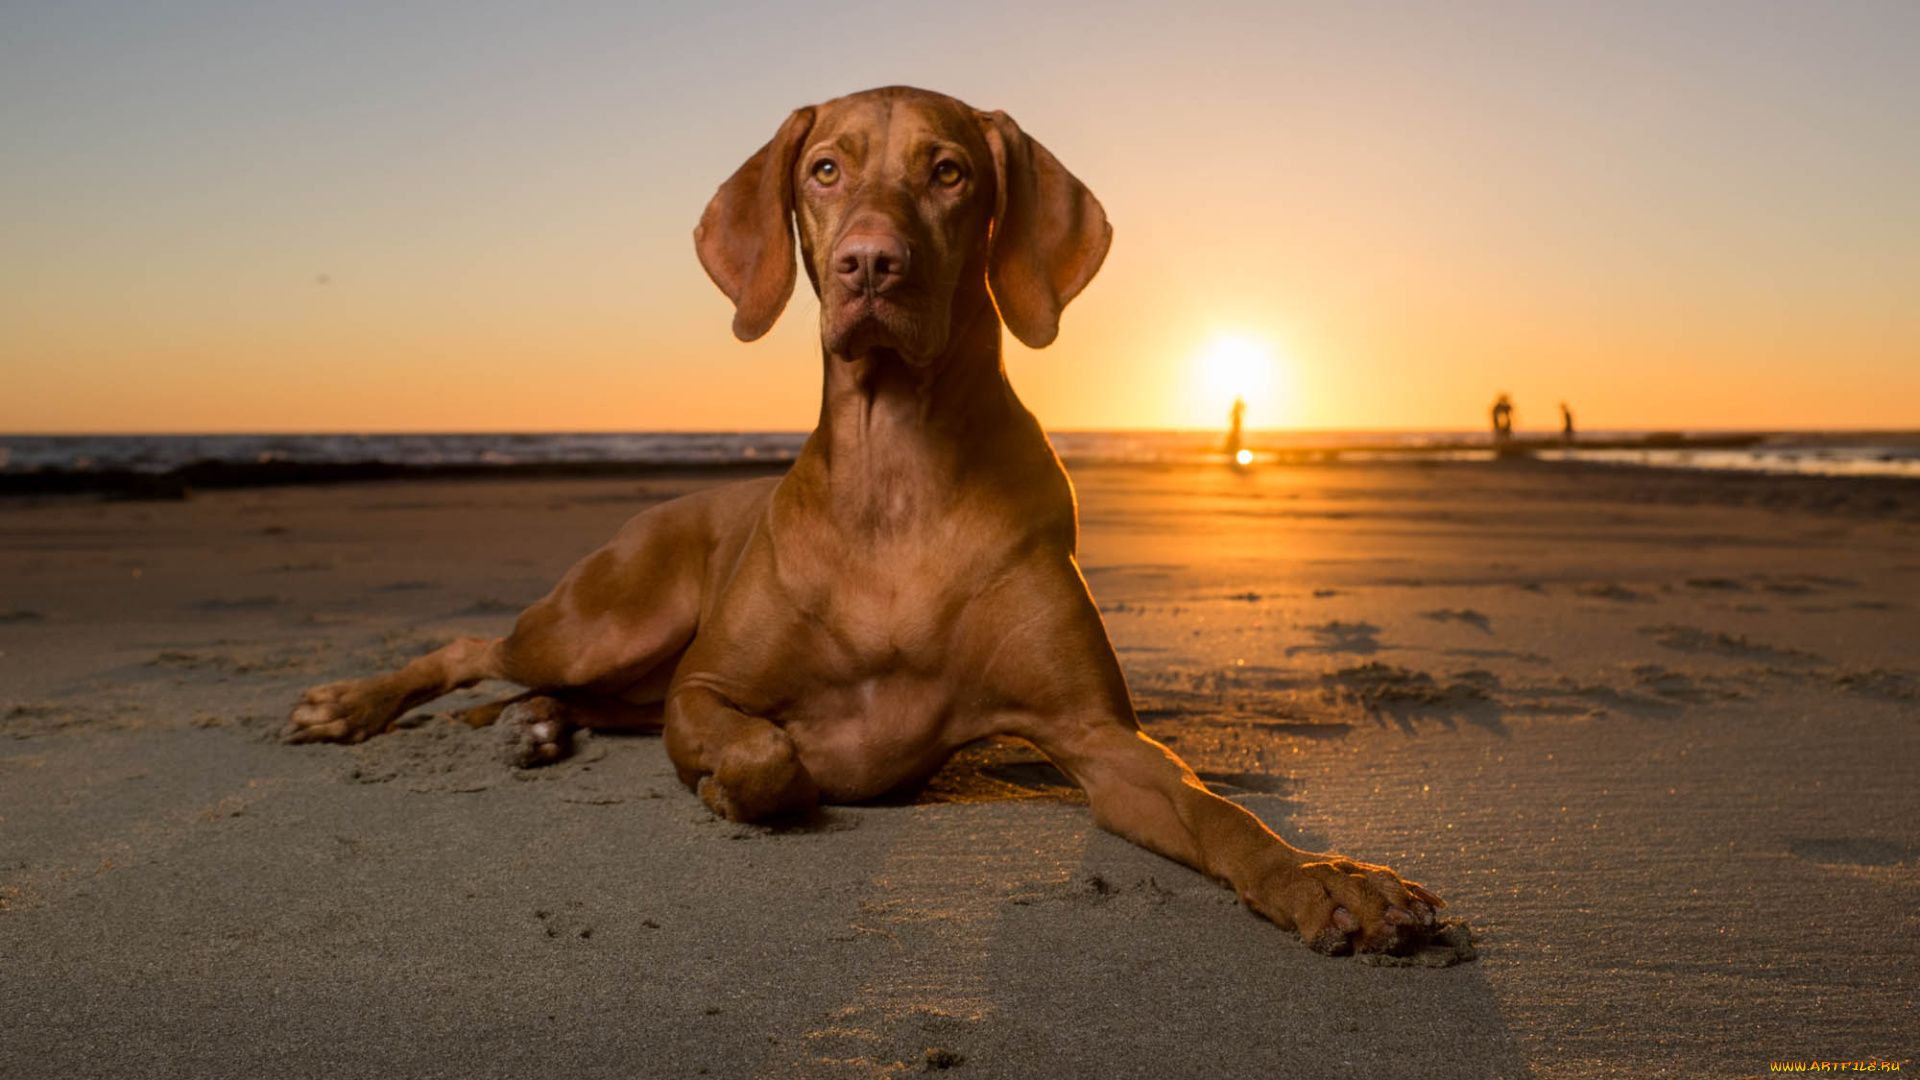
(1681, 686)
(1469, 616)
(1379, 685)
(1804, 584)
(1692, 639)
(1614, 591)
(1878, 683)
(1359, 638)
(1500, 654)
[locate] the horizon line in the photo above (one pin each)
(369, 432)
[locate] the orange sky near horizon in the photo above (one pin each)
(450, 217)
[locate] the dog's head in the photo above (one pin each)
(902, 197)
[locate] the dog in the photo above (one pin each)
(909, 586)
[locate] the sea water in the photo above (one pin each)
(1803, 453)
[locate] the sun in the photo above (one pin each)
(1236, 366)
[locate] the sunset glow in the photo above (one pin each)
(477, 218)
(1234, 366)
(1237, 366)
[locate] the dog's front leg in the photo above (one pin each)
(1049, 659)
(1141, 791)
(743, 767)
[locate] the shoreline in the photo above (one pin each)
(171, 466)
(1858, 496)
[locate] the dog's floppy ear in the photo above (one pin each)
(745, 238)
(1049, 233)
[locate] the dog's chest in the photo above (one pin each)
(897, 606)
(865, 737)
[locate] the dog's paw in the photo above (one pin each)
(759, 776)
(537, 732)
(347, 712)
(1339, 906)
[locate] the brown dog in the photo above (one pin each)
(910, 585)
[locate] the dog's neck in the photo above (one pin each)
(897, 440)
(922, 405)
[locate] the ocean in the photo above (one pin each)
(1879, 454)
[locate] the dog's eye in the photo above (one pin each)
(825, 172)
(946, 173)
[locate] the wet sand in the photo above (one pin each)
(1653, 735)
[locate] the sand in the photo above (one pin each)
(1653, 735)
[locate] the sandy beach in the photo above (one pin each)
(1652, 734)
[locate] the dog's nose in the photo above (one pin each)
(871, 262)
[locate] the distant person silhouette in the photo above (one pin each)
(1566, 423)
(1233, 432)
(1502, 418)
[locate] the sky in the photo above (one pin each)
(476, 216)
